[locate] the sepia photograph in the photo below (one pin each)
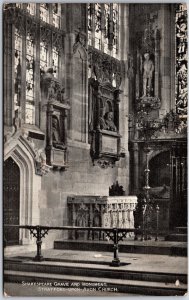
(95, 99)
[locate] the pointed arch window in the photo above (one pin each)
(35, 47)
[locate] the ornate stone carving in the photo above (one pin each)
(104, 163)
(82, 216)
(80, 41)
(52, 88)
(56, 148)
(40, 160)
(105, 78)
(97, 211)
(147, 58)
(45, 34)
(57, 40)
(105, 68)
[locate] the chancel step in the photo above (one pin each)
(145, 247)
(109, 284)
(90, 269)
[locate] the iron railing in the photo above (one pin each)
(114, 234)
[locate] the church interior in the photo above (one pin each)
(95, 126)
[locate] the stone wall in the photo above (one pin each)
(81, 178)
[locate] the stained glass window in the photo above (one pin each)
(17, 69)
(19, 5)
(106, 27)
(98, 16)
(103, 28)
(30, 104)
(43, 56)
(44, 12)
(55, 61)
(181, 60)
(90, 24)
(56, 14)
(31, 8)
(115, 29)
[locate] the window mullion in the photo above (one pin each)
(37, 78)
(23, 79)
(93, 23)
(110, 41)
(102, 27)
(50, 13)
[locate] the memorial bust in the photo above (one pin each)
(107, 123)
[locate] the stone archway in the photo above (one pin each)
(22, 154)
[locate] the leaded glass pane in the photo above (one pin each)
(43, 56)
(56, 14)
(31, 8)
(19, 5)
(90, 24)
(103, 27)
(30, 113)
(30, 104)
(55, 62)
(98, 15)
(17, 69)
(115, 29)
(181, 60)
(44, 12)
(106, 27)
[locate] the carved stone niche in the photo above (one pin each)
(104, 123)
(57, 110)
(56, 149)
(147, 79)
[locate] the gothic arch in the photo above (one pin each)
(23, 155)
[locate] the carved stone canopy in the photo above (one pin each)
(105, 68)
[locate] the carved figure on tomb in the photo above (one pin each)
(148, 69)
(57, 143)
(107, 122)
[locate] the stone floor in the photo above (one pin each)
(134, 262)
(92, 259)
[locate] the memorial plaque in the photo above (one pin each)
(109, 144)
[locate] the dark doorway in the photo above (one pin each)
(160, 170)
(11, 200)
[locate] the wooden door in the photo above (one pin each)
(11, 200)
